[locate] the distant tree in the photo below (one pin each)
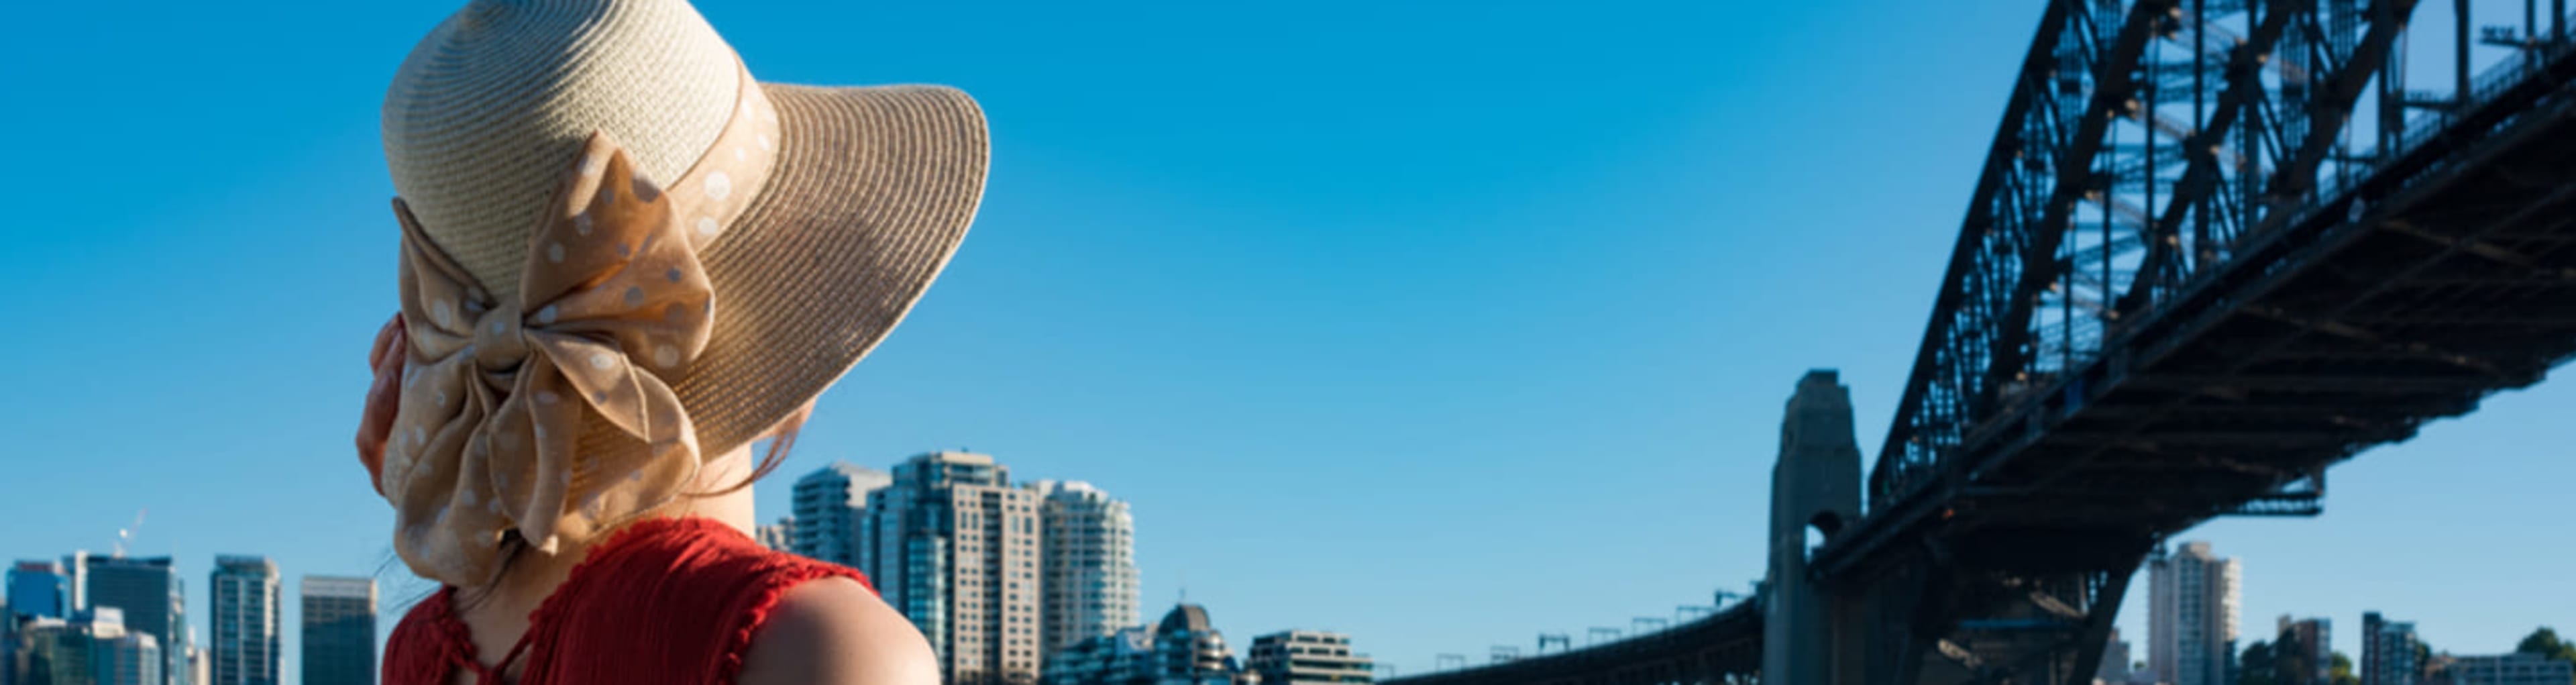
(2545, 642)
(2255, 668)
(2340, 669)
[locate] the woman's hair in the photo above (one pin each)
(780, 439)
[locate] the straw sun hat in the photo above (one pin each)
(623, 256)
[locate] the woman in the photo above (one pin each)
(625, 261)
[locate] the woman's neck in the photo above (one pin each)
(499, 614)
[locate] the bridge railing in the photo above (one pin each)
(2489, 82)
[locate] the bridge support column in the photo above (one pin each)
(1876, 638)
(1981, 609)
(1815, 485)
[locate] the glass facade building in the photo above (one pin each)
(339, 630)
(247, 621)
(39, 589)
(2390, 652)
(149, 594)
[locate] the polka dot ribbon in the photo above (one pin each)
(613, 306)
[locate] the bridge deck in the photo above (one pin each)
(1706, 650)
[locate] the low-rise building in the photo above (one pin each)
(2507, 669)
(1307, 657)
(93, 647)
(1184, 649)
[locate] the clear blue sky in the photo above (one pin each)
(1440, 324)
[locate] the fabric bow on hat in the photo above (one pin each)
(490, 436)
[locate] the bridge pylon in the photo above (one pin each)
(1815, 486)
(2023, 607)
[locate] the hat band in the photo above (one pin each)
(720, 185)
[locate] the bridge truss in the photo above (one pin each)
(2216, 247)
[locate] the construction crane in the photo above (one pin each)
(125, 535)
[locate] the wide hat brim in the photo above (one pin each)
(871, 191)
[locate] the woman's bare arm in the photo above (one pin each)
(836, 632)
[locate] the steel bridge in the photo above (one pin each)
(2216, 247)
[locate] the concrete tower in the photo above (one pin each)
(1815, 485)
(830, 504)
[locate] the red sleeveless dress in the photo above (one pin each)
(661, 601)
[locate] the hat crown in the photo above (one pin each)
(485, 117)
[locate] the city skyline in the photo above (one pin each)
(2144, 654)
(1560, 264)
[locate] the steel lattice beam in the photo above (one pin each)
(1956, 306)
(2244, 71)
(2297, 174)
(2114, 79)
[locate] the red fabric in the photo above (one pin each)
(662, 601)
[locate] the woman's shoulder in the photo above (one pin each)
(831, 630)
(785, 618)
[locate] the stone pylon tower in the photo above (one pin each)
(1816, 484)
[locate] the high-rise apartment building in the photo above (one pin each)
(1088, 561)
(953, 547)
(339, 630)
(39, 589)
(830, 502)
(247, 620)
(2191, 621)
(2303, 652)
(2390, 652)
(149, 595)
(1306, 657)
